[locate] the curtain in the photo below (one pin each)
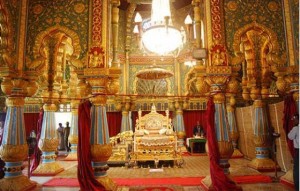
(290, 109)
(31, 120)
(220, 181)
(85, 174)
(37, 153)
(190, 120)
(2, 119)
(114, 120)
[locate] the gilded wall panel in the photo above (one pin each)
(267, 13)
(44, 14)
(13, 9)
(184, 69)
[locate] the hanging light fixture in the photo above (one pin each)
(160, 36)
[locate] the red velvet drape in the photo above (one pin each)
(31, 120)
(114, 120)
(85, 174)
(290, 109)
(220, 181)
(37, 153)
(190, 120)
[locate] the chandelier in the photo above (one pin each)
(160, 36)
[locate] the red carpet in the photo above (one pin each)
(252, 179)
(73, 182)
(189, 181)
(288, 183)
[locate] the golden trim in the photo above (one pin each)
(289, 32)
(22, 35)
(20, 183)
(208, 24)
(13, 153)
(48, 169)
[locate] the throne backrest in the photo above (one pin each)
(153, 122)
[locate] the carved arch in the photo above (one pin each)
(41, 36)
(61, 34)
(254, 43)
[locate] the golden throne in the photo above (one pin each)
(154, 139)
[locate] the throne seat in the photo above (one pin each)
(154, 138)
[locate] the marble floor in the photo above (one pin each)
(194, 166)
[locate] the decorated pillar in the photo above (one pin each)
(14, 148)
(77, 89)
(178, 122)
(231, 91)
(262, 161)
(101, 149)
(217, 76)
(48, 143)
(73, 137)
(115, 32)
(98, 76)
(197, 20)
(126, 124)
(103, 79)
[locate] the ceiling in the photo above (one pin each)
(145, 5)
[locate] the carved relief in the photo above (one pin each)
(218, 55)
(96, 58)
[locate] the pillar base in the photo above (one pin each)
(71, 157)
(237, 154)
(107, 183)
(47, 169)
(20, 183)
(288, 178)
(263, 165)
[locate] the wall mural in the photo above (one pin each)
(44, 14)
(267, 13)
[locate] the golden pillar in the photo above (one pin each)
(81, 89)
(48, 144)
(217, 76)
(115, 28)
(126, 106)
(101, 149)
(197, 20)
(73, 138)
(262, 162)
(231, 91)
(178, 122)
(14, 148)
